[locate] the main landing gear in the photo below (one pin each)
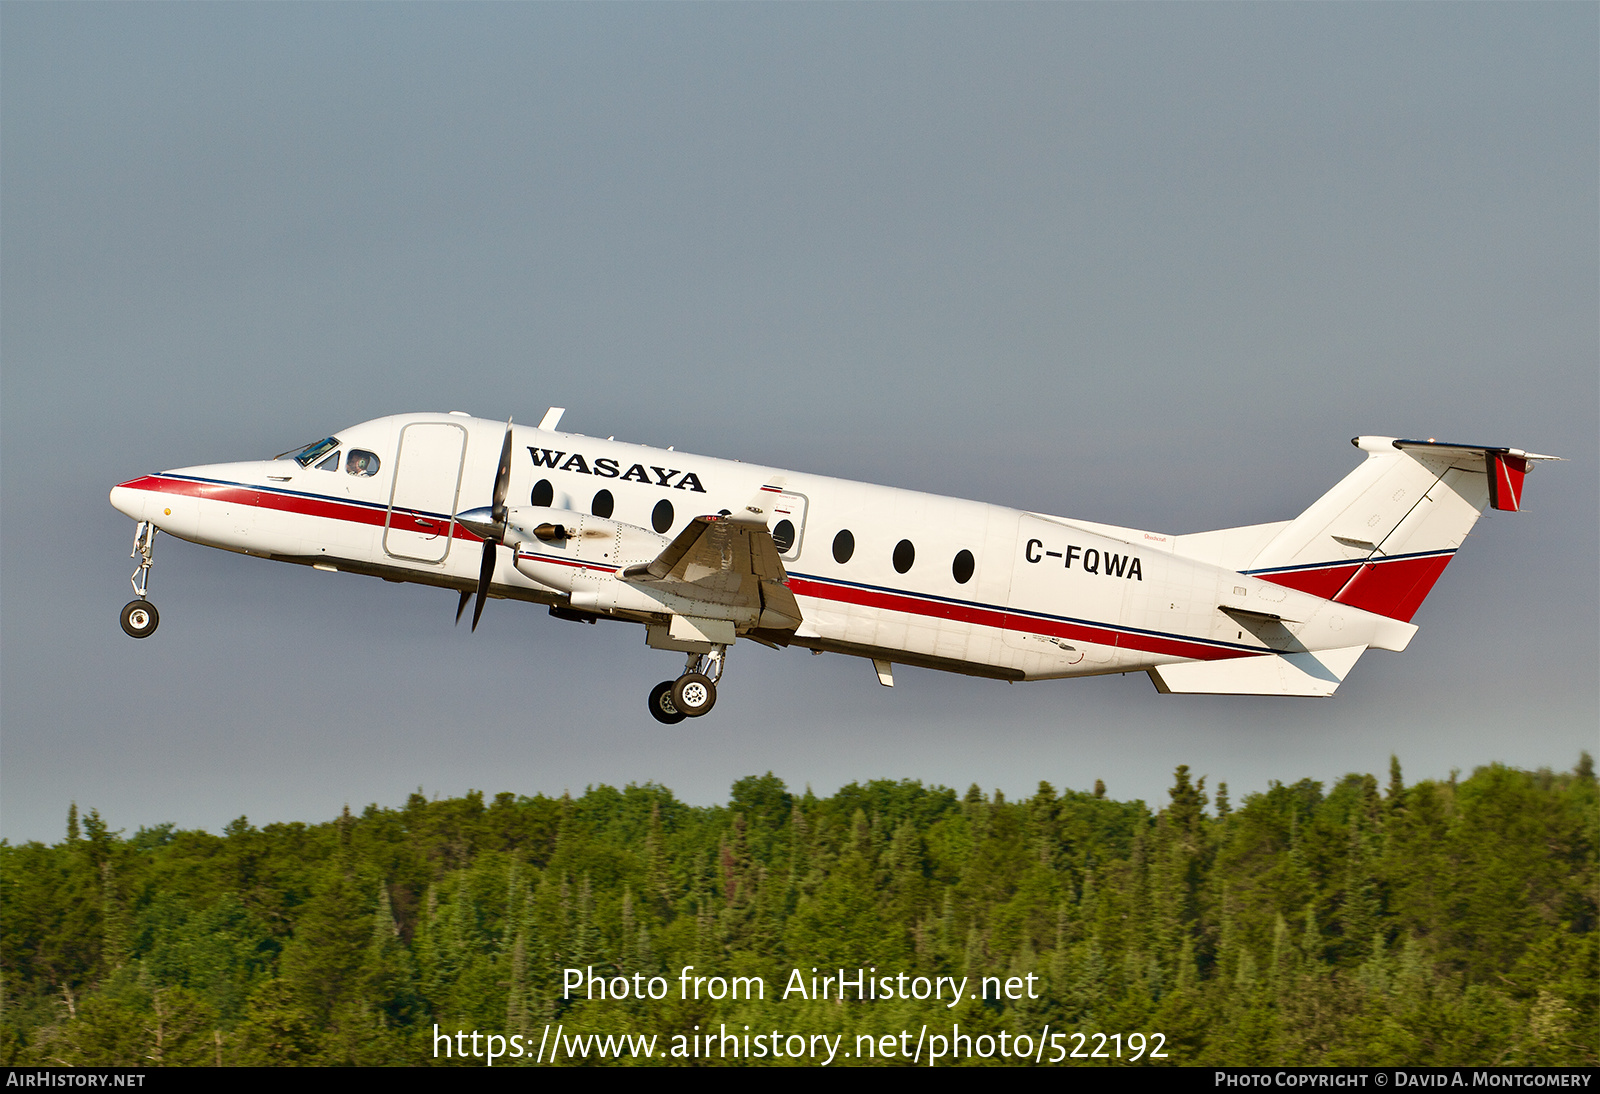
(692, 694)
(139, 617)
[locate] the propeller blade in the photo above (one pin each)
(485, 573)
(489, 525)
(466, 595)
(502, 479)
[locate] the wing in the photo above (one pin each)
(727, 562)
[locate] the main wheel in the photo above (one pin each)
(140, 618)
(693, 694)
(661, 708)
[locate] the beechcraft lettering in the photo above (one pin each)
(607, 468)
(893, 577)
(1089, 559)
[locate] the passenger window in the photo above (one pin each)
(661, 516)
(543, 494)
(361, 462)
(603, 504)
(844, 545)
(783, 536)
(329, 464)
(961, 569)
(904, 556)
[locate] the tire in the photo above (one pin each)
(140, 618)
(661, 708)
(693, 694)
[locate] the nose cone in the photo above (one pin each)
(129, 498)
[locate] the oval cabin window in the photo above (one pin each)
(783, 536)
(961, 569)
(543, 494)
(661, 516)
(844, 545)
(904, 556)
(603, 504)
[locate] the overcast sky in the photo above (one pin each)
(1144, 264)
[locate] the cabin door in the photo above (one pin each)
(427, 484)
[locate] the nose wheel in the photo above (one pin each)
(139, 617)
(692, 694)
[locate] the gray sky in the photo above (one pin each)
(1145, 264)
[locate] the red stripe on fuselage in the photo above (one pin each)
(572, 562)
(260, 497)
(1010, 621)
(978, 615)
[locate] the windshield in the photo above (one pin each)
(305, 456)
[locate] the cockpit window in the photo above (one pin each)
(308, 455)
(329, 464)
(361, 462)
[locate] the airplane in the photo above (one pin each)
(703, 552)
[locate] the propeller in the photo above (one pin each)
(488, 523)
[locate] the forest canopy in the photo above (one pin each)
(1447, 922)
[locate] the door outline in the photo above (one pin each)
(804, 507)
(421, 452)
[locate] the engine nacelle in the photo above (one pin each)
(584, 556)
(580, 554)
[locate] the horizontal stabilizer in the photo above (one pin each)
(1316, 673)
(1506, 467)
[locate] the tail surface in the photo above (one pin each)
(1380, 539)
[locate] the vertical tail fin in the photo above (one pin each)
(1380, 538)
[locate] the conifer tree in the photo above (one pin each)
(1440, 924)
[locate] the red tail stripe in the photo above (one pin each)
(1394, 587)
(1505, 481)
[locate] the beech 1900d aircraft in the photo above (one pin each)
(703, 552)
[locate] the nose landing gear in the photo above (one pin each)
(692, 694)
(139, 617)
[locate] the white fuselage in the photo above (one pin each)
(981, 589)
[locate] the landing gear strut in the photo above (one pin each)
(692, 694)
(139, 617)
